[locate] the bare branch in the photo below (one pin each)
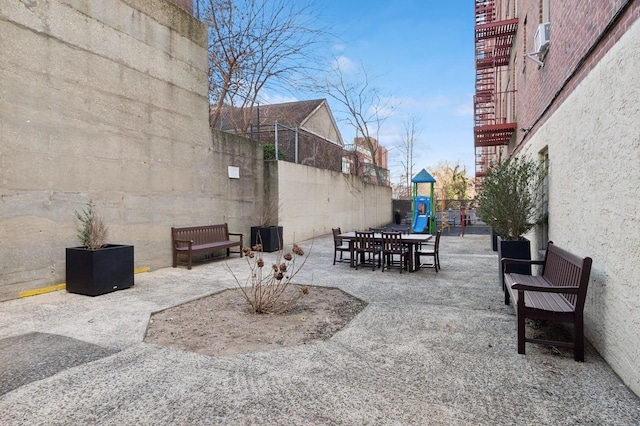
(364, 109)
(254, 45)
(410, 137)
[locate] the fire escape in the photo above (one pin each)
(494, 101)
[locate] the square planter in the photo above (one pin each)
(96, 272)
(519, 249)
(494, 240)
(269, 236)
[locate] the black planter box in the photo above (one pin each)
(96, 272)
(519, 249)
(269, 236)
(494, 240)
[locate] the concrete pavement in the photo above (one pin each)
(428, 349)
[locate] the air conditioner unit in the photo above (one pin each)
(541, 39)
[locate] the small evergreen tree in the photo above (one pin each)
(92, 232)
(510, 198)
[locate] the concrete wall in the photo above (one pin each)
(236, 201)
(593, 140)
(312, 201)
(105, 101)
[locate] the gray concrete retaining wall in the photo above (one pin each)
(104, 101)
(108, 101)
(312, 201)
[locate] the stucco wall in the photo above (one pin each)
(312, 201)
(594, 151)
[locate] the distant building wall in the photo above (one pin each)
(592, 139)
(321, 123)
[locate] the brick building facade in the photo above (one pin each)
(557, 81)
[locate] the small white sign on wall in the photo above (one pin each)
(234, 172)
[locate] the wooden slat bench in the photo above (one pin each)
(202, 239)
(557, 294)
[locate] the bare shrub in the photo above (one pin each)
(265, 287)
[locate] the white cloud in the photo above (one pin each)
(344, 64)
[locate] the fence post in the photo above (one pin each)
(296, 146)
(276, 136)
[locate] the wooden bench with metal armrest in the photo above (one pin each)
(558, 294)
(202, 239)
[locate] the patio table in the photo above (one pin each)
(411, 240)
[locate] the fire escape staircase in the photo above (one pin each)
(493, 105)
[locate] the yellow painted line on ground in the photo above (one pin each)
(62, 286)
(36, 291)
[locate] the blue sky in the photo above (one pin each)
(420, 53)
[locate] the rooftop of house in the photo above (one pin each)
(291, 114)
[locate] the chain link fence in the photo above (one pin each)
(302, 147)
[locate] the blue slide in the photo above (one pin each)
(419, 223)
(421, 212)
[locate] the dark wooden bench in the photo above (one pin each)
(557, 294)
(202, 239)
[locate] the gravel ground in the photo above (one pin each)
(428, 349)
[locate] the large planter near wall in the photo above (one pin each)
(100, 271)
(269, 236)
(516, 249)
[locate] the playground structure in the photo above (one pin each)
(421, 214)
(429, 214)
(424, 217)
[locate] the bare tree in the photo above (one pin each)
(410, 137)
(364, 109)
(254, 45)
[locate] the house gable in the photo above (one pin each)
(312, 116)
(321, 122)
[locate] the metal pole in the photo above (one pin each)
(296, 146)
(276, 135)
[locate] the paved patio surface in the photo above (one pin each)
(428, 349)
